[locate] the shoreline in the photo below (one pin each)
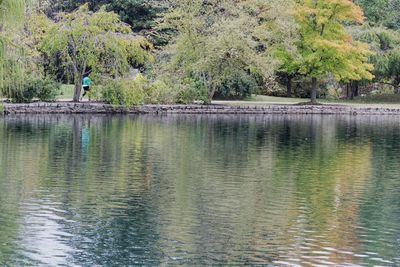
(101, 108)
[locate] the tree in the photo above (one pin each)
(385, 43)
(224, 47)
(93, 41)
(324, 45)
(289, 67)
(11, 18)
(140, 14)
(382, 12)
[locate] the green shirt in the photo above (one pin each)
(86, 81)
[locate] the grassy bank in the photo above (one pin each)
(67, 92)
(384, 101)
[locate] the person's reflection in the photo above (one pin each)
(85, 139)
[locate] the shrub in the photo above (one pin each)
(47, 89)
(237, 85)
(333, 93)
(44, 89)
(125, 92)
(191, 90)
(159, 92)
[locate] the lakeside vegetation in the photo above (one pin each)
(181, 51)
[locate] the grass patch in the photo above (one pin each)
(369, 99)
(388, 101)
(275, 99)
(67, 92)
(379, 99)
(309, 103)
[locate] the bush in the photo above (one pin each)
(44, 89)
(333, 93)
(161, 92)
(47, 89)
(125, 92)
(237, 85)
(191, 90)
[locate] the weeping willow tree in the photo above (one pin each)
(11, 65)
(92, 41)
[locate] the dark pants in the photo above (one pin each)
(86, 89)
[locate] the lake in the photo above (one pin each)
(84, 190)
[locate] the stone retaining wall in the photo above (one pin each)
(69, 108)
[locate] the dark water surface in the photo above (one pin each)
(199, 190)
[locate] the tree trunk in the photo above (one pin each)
(352, 89)
(78, 87)
(397, 85)
(356, 89)
(211, 93)
(314, 90)
(289, 86)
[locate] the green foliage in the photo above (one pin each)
(223, 49)
(11, 12)
(191, 90)
(237, 85)
(2, 110)
(11, 18)
(130, 92)
(216, 41)
(386, 58)
(47, 89)
(125, 92)
(160, 92)
(97, 41)
(382, 12)
(333, 93)
(325, 46)
(140, 14)
(44, 89)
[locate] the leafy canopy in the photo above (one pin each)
(140, 14)
(224, 44)
(382, 12)
(11, 18)
(96, 41)
(386, 58)
(325, 46)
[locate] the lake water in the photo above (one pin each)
(199, 190)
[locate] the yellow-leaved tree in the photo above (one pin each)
(324, 45)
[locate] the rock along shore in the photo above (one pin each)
(101, 108)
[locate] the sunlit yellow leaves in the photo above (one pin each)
(328, 11)
(325, 46)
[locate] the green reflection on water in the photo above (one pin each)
(199, 190)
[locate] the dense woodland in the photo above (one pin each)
(139, 51)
